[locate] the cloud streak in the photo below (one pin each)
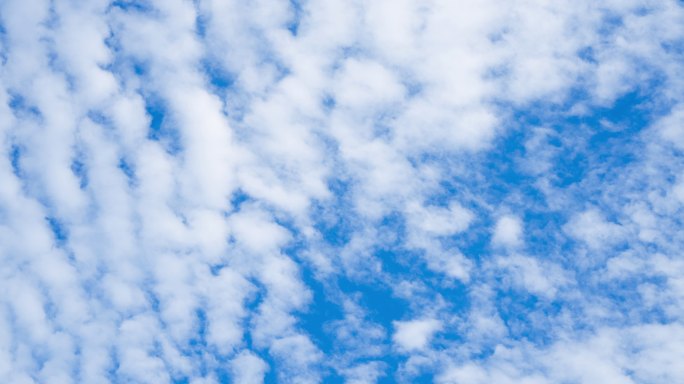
(303, 192)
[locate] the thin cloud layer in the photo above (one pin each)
(339, 191)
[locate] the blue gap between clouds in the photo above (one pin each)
(251, 306)
(15, 160)
(128, 169)
(200, 21)
(22, 108)
(293, 25)
(628, 301)
(323, 309)
(218, 77)
(3, 44)
(376, 295)
(59, 230)
(80, 169)
(516, 307)
(613, 148)
(142, 6)
(505, 178)
(160, 128)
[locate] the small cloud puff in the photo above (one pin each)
(508, 232)
(415, 335)
(594, 230)
(440, 221)
(248, 368)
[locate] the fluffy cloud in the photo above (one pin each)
(415, 334)
(508, 232)
(216, 191)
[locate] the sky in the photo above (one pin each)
(342, 191)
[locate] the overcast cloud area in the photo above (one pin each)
(342, 191)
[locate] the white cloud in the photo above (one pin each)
(609, 355)
(415, 335)
(364, 373)
(592, 228)
(508, 232)
(427, 224)
(671, 127)
(542, 279)
(438, 221)
(154, 222)
(248, 368)
(298, 358)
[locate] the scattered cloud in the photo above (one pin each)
(214, 191)
(415, 335)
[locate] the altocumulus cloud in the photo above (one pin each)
(218, 191)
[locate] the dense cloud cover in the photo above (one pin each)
(219, 191)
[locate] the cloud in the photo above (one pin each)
(537, 278)
(594, 230)
(364, 373)
(508, 232)
(670, 127)
(310, 191)
(248, 368)
(415, 335)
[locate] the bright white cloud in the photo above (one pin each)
(248, 368)
(508, 232)
(415, 335)
(214, 190)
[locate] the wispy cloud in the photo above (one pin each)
(452, 192)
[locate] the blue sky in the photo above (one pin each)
(396, 191)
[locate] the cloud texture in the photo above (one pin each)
(219, 191)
